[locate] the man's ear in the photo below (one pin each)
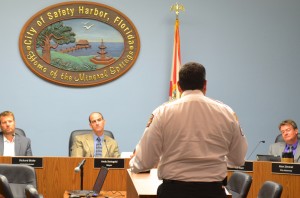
(179, 88)
(204, 87)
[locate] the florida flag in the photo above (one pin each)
(173, 92)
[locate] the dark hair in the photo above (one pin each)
(192, 76)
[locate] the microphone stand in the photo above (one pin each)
(80, 168)
(262, 141)
(81, 178)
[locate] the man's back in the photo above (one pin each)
(198, 133)
(192, 140)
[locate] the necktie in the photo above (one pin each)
(98, 148)
(290, 149)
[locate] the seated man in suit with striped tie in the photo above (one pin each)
(95, 144)
(289, 131)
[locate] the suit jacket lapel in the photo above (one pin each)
(297, 154)
(105, 146)
(17, 145)
(279, 148)
(1, 145)
(90, 143)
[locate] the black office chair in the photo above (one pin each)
(84, 131)
(5, 188)
(19, 131)
(31, 192)
(270, 189)
(279, 138)
(18, 176)
(239, 184)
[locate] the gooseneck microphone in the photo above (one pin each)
(106, 148)
(80, 166)
(261, 141)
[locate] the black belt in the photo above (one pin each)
(191, 182)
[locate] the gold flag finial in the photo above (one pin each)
(177, 7)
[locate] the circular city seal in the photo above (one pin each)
(79, 44)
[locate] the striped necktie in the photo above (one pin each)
(98, 148)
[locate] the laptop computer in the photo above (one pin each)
(97, 186)
(271, 158)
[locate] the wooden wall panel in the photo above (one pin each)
(58, 175)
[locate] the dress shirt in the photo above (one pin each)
(9, 147)
(294, 147)
(95, 142)
(191, 139)
(84, 146)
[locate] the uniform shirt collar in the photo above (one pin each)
(189, 92)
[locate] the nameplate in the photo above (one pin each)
(248, 167)
(109, 162)
(36, 162)
(285, 168)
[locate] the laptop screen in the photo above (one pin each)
(271, 158)
(100, 179)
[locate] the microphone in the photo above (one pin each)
(261, 141)
(106, 148)
(80, 165)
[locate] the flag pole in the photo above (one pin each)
(176, 61)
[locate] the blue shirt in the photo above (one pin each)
(294, 147)
(95, 141)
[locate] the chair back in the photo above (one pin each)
(20, 131)
(239, 184)
(270, 189)
(5, 190)
(31, 192)
(84, 131)
(279, 138)
(18, 176)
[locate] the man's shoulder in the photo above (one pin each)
(224, 107)
(84, 136)
(167, 104)
(22, 138)
(109, 139)
(220, 103)
(277, 144)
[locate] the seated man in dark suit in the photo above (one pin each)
(289, 131)
(11, 143)
(95, 144)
